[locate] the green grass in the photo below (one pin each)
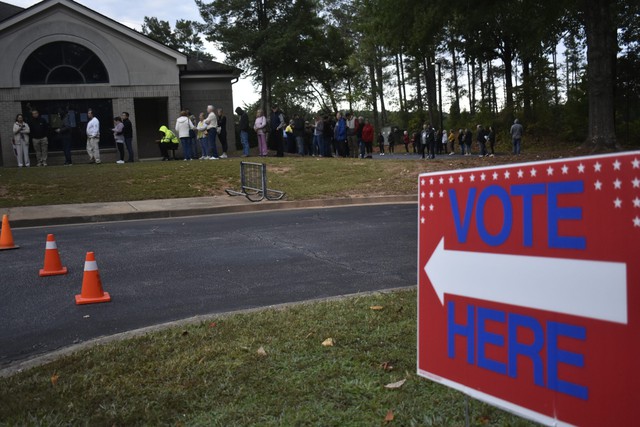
(211, 374)
(300, 178)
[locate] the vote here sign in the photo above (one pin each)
(529, 287)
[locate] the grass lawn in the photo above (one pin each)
(300, 178)
(212, 373)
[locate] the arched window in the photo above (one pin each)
(61, 63)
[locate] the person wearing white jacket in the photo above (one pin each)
(212, 131)
(21, 141)
(183, 126)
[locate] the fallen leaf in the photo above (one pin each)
(213, 324)
(389, 416)
(328, 342)
(386, 366)
(392, 386)
(376, 307)
(54, 379)
(200, 361)
(262, 352)
(185, 333)
(309, 335)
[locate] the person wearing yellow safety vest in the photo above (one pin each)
(169, 141)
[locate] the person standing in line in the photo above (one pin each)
(183, 129)
(340, 135)
(367, 138)
(318, 140)
(260, 126)
(481, 137)
(444, 141)
(277, 129)
(359, 129)
(65, 131)
(452, 142)
(193, 134)
(298, 132)
(128, 134)
(516, 136)
(461, 141)
(431, 140)
(212, 132)
(118, 136)
(381, 143)
(39, 136)
(222, 132)
(202, 137)
(352, 139)
(468, 139)
(392, 141)
(93, 138)
(244, 131)
(492, 140)
(406, 140)
(21, 141)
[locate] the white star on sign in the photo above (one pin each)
(636, 164)
(617, 203)
(431, 208)
(495, 176)
(450, 180)
(472, 178)
(483, 177)
(617, 184)
(422, 220)
(520, 173)
(636, 183)
(636, 203)
(565, 169)
(616, 165)
(423, 195)
(597, 167)
(431, 181)
(461, 178)
(580, 168)
(441, 180)
(423, 182)
(534, 172)
(422, 208)
(598, 185)
(507, 174)
(431, 194)
(441, 194)
(636, 222)
(550, 171)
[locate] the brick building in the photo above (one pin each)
(61, 57)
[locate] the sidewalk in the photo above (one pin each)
(33, 216)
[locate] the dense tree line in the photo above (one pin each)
(568, 69)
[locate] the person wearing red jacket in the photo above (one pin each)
(367, 138)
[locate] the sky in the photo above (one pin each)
(132, 13)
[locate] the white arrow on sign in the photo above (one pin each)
(593, 289)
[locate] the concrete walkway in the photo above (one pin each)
(34, 216)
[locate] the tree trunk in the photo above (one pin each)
(419, 88)
(601, 56)
(507, 60)
(397, 61)
(456, 89)
(482, 87)
(380, 81)
(374, 98)
(430, 80)
(404, 85)
(473, 86)
(526, 88)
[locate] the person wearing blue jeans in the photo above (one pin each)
(212, 131)
(244, 131)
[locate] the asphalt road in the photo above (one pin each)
(162, 270)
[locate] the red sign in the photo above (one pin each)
(529, 287)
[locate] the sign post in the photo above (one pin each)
(529, 287)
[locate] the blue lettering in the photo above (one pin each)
(454, 329)
(485, 337)
(503, 235)
(556, 356)
(532, 351)
(557, 214)
(527, 191)
(462, 227)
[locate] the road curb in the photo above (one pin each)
(177, 212)
(43, 359)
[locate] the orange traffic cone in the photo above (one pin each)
(52, 264)
(6, 238)
(91, 284)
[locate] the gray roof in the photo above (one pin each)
(205, 66)
(8, 10)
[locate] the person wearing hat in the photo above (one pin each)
(277, 127)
